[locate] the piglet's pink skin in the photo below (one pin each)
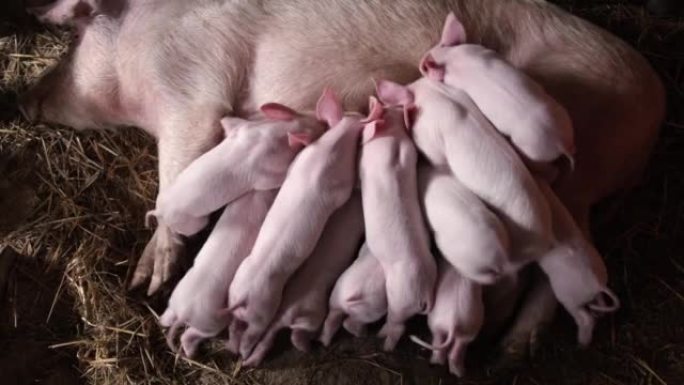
(467, 233)
(305, 301)
(395, 230)
(62, 12)
(199, 299)
(576, 272)
(455, 320)
(451, 132)
(320, 181)
(255, 155)
(358, 298)
(515, 104)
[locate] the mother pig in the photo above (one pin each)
(175, 67)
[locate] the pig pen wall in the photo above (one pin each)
(71, 208)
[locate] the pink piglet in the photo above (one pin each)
(255, 155)
(358, 298)
(576, 272)
(455, 320)
(320, 180)
(452, 134)
(199, 299)
(305, 300)
(396, 232)
(515, 104)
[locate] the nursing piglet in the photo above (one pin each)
(305, 300)
(320, 180)
(395, 230)
(199, 299)
(515, 104)
(466, 232)
(73, 12)
(254, 155)
(451, 132)
(455, 320)
(576, 272)
(358, 298)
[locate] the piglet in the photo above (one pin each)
(576, 272)
(358, 298)
(451, 133)
(466, 232)
(305, 300)
(320, 181)
(199, 299)
(62, 12)
(395, 230)
(516, 105)
(255, 155)
(455, 320)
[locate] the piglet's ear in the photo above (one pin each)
(453, 32)
(329, 108)
(410, 115)
(298, 139)
(375, 110)
(229, 123)
(275, 111)
(63, 12)
(393, 94)
(371, 130)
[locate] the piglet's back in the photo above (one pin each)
(516, 105)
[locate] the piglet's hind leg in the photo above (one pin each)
(331, 325)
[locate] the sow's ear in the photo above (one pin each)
(62, 12)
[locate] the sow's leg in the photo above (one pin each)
(196, 85)
(183, 137)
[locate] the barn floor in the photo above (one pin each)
(71, 208)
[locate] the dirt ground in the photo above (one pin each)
(71, 208)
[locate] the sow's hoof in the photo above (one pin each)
(159, 261)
